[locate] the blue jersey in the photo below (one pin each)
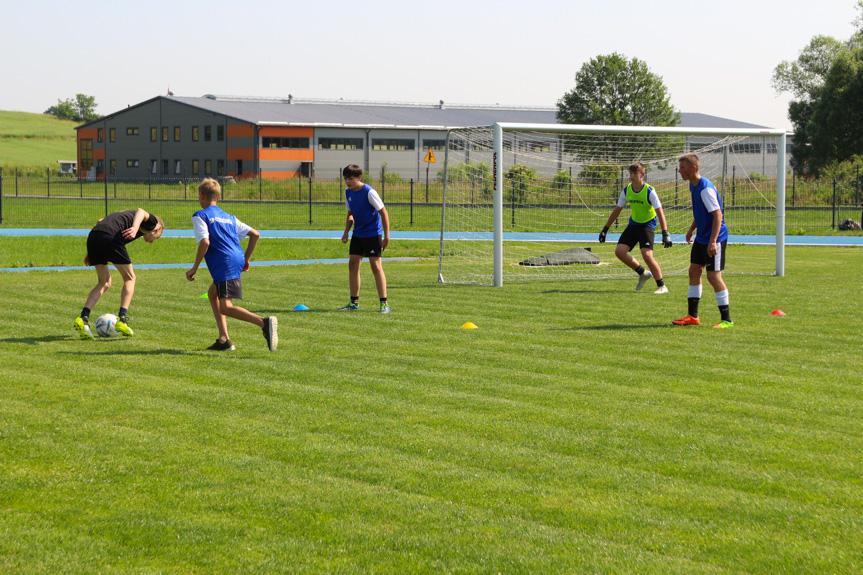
(705, 200)
(225, 258)
(364, 205)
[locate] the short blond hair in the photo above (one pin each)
(691, 159)
(211, 189)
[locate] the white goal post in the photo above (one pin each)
(527, 201)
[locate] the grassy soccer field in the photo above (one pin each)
(574, 431)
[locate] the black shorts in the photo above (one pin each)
(698, 256)
(366, 247)
(642, 235)
(103, 248)
(230, 289)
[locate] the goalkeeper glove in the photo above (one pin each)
(666, 239)
(602, 234)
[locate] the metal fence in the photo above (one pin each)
(812, 206)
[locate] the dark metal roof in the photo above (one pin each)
(339, 113)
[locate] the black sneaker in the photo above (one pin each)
(222, 346)
(271, 332)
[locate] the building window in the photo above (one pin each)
(86, 151)
(208, 133)
(292, 143)
(208, 167)
(131, 131)
(177, 168)
(154, 166)
(393, 144)
(100, 135)
(164, 134)
(176, 133)
(165, 167)
(131, 163)
(746, 148)
(220, 167)
(220, 133)
(112, 134)
(100, 167)
(340, 143)
(434, 144)
(239, 167)
(196, 167)
(194, 133)
(112, 166)
(154, 134)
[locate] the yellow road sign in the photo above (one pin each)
(430, 157)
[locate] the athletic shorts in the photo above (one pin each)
(698, 256)
(366, 247)
(230, 289)
(642, 235)
(103, 248)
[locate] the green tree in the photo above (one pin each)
(612, 90)
(81, 109)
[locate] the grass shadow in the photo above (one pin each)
(612, 327)
(35, 340)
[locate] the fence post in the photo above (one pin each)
(733, 184)
(310, 200)
(260, 186)
(185, 182)
(16, 181)
(1, 195)
(149, 197)
(383, 183)
(834, 203)
(570, 185)
(81, 186)
(48, 179)
(793, 185)
(106, 197)
(513, 201)
(412, 201)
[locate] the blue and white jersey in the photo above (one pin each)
(225, 258)
(705, 201)
(365, 205)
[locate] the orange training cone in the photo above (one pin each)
(778, 312)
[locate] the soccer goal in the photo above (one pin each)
(527, 201)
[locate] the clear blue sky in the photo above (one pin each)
(715, 58)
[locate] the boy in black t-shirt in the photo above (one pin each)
(107, 243)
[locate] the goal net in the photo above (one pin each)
(527, 201)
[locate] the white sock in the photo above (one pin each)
(722, 297)
(695, 291)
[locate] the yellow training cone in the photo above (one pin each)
(469, 325)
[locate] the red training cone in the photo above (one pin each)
(778, 312)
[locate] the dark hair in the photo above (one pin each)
(637, 167)
(352, 171)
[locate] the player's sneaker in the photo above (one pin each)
(688, 320)
(123, 327)
(350, 307)
(642, 279)
(724, 324)
(385, 308)
(83, 328)
(271, 332)
(222, 346)
(663, 289)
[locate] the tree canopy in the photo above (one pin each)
(81, 109)
(826, 82)
(612, 90)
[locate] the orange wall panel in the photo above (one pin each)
(99, 153)
(280, 175)
(241, 131)
(88, 133)
(241, 154)
(287, 154)
(285, 132)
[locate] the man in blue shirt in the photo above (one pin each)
(708, 249)
(218, 234)
(371, 223)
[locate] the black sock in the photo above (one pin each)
(383, 300)
(355, 300)
(693, 306)
(639, 270)
(85, 315)
(660, 282)
(122, 315)
(725, 313)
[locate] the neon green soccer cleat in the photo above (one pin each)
(124, 328)
(724, 324)
(350, 307)
(385, 308)
(83, 328)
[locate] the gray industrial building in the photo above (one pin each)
(173, 136)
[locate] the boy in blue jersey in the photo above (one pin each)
(646, 209)
(106, 243)
(371, 223)
(708, 249)
(218, 234)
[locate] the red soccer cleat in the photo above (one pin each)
(688, 320)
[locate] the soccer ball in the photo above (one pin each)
(105, 325)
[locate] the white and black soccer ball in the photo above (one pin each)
(106, 325)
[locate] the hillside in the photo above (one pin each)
(34, 141)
